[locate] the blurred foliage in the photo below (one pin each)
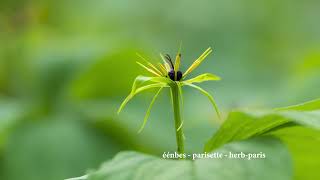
(247, 132)
(141, 166)
(57, 113)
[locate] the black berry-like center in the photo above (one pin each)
(171, 75)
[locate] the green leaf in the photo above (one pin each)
(202, 78)
(139, 85)
(206, 94)
(244, 125)
(304, 146)
(149, 109)
(137, 91)
(140, 80)
(308, 106)
(298, 129)
(133, 165)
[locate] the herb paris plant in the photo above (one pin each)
(169, 75)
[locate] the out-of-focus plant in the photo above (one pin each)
(169, 75)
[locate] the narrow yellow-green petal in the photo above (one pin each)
(163, 69)
(177, 65)
(197, 62)
(178, 60)
(166, 65)
(148, 69)
(149, 64)
(149, 110)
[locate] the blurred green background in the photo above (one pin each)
(65, 67)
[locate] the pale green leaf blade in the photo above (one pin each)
(134, 165)
(137, 91)
(299, 129)
(139, 86)
(211, 99)
(243, 125)
(155, 85)
(307, 106)
(142, 80)
(240, 126)
(304, 146)
(164, 80)
(79, 178)
(125, 102)
(149, 110)
(139, 80)
(202, 78)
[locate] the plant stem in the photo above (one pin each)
(177, 117)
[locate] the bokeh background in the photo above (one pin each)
(65, 67)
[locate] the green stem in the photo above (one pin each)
(177, 117)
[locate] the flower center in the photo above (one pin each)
(172, 74)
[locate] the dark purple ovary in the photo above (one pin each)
(171, 75)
